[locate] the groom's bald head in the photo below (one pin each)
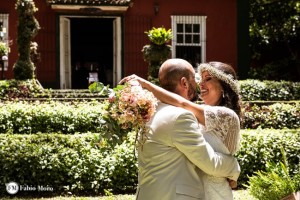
(172, 70)
(178, 76)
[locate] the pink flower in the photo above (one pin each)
(131, 107)
(111, 97)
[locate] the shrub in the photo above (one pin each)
(20, 89)
(276, 116)
(86, 164)
(26, 118)
(274, 183)
(87, 116)
(67, 163)
(263, 145)
(252, 90)
(14, 90)
(28, 28)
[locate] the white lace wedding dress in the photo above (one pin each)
(222, 132)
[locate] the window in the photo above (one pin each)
(4, 27)
(4, 37)
(189, 38)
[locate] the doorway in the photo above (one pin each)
(90, 51)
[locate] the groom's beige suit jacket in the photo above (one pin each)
(174, 151)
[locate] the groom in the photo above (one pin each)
(175, 147)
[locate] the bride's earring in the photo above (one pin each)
(223, 94)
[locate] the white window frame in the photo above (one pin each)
(5, 39)
(187, 19)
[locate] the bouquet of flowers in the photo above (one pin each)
(128, 109)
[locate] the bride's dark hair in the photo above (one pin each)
(230, 99)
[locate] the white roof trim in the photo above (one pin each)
(78, 7)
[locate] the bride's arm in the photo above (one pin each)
(170, 97)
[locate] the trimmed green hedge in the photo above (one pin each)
(67, 163)
(276, 116)
(75, 117)
(61, 117)
(253, 90)
(262, 145)
(80, 164)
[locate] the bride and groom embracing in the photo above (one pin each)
(188, 153)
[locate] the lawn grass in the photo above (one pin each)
(238, 195)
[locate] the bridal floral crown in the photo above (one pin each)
(227, 78)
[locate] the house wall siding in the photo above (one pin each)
(221, 33)
(47, 68)
(134, 42)
(221, 27)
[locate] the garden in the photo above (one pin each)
(64, 144)
(59, 140)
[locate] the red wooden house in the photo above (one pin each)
(105, 37)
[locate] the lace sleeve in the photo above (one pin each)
(225, 124)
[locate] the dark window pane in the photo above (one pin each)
(180, 28)
(196, 39)
(188, 28)
(179, 38)
(188, 39)
(196, 28)
(190, 53)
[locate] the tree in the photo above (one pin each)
(28, 28)
(274, 38)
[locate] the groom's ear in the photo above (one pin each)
(184, 82)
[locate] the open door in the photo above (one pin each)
(111, 64)
(65, 53)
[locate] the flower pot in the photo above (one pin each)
(293, 196)
(156, 53)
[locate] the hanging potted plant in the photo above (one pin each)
(3, 49)
(157, 51)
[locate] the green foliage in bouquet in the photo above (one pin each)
(128, 109)
(100, 88)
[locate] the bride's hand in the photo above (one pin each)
(127, 79)
(134, 78)
(232, 183)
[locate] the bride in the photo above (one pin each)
(219, 117)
